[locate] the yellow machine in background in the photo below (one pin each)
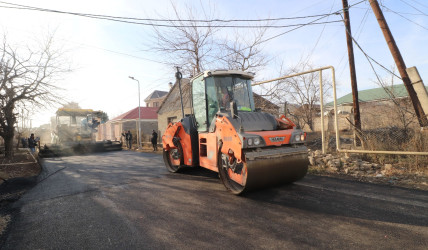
(74, 132)
(75, 125)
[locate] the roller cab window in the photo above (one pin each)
(225, 89)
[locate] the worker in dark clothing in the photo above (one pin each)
(155, 140)
(32, 143)
(129, 139)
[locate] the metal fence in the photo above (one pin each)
(388, 126)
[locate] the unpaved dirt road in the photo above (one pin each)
(127, 200)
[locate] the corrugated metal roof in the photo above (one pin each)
(145, 113)
(376, 94)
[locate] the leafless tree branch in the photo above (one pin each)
(27, 79)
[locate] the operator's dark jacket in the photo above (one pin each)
(154, 138)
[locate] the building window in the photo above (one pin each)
(171, 119)
(155, 104)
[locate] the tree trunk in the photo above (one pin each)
(8, 147)
(9, 130)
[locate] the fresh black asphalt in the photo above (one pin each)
(127, 200)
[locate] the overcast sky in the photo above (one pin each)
(104, 53)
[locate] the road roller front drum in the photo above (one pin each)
(269, 167)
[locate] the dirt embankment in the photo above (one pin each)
(16, 177)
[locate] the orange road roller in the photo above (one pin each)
(226, 133)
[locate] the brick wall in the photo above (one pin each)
(329, 123)
(163, 119)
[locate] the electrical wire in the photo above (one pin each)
(419, 3)
(302, 25)
(322, 31)
(288, 31)
(405, 18)
(125, 19)
(180, 26)
(404, 13)
(266, 40)
(369, 58)
(413, 7)
(121, 53)
(358, 33)
(165, 20)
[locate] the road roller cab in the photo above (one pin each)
(226, 133)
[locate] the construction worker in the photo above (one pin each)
(32, 143)
(129, 139)
(154, 140)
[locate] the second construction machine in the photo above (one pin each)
(73, 132)
(227, 134)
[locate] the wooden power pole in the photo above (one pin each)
(423, 122)
(356, 105)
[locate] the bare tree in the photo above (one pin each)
(194, 42)
(303, 91)
(244, 51)
(26, 80)
(185, 43)
(402, 110)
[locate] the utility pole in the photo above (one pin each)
(178, 77)
(423, 122)
(356, 105)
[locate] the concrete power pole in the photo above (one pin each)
(423, 122)
(356, 105)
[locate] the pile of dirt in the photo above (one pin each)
(344, 167)
(17, 175)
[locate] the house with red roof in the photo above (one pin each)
(113, 129)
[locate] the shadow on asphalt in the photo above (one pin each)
(198, 171)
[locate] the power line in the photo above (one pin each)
(125, 19)
(369, 57)
(419, 3)
(413, 7)
(170, 25)
(268, 39)
(120, 53)
(334, 13)
(404, 13)
(405, 18)
(358, 33)
(288, 31)
(322, 31)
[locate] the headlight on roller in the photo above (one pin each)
(298, 137)
(256, 141)
(250, 142)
